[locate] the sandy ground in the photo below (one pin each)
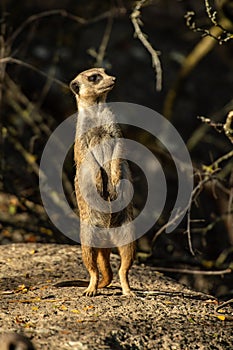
(162, 315)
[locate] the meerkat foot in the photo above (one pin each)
(128, 293)
(90, 292)
(127, 256)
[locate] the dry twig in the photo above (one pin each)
(219, 33)
(30, 66)
(228, 126)
(62, 12)
(99, 56)
(200, 132)
(193, 272)
(196, 191)
(135, 18)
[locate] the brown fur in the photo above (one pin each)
(90, 88)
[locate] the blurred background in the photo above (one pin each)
(45, 44)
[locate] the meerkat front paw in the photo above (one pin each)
(90, 292)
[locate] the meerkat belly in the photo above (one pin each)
(105, 179)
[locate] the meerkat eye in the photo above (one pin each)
(95, 78)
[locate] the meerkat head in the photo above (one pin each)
(92, 85)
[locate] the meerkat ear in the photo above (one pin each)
(75, 86)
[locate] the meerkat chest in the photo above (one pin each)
(98, 134)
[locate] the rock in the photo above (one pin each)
(14, 341)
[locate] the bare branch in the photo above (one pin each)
(36, 17)
(30, 66)
(4, 50)
(193, 272)
(30, 159)
(216, 34)
(199, 133)
(207, 177)
(19, 103)
(228, 126)
(221, 306)
(216, 163)
(218, 126)
(61, 12)
(136, 21)
(99, 56)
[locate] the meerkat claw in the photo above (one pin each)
(89, 293)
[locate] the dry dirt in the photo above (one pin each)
(162, 315)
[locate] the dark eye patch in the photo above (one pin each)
(95, 78)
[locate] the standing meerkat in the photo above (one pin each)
(99, 163)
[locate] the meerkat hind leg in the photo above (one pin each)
(89, 255)
(103, 260)
(127, 253)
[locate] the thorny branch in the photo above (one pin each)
(224, 33)
(199, 133)
(210, 13)
(218, 33)
(228, 126)
(220, 127)
(136, 21)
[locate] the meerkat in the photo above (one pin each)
(90, 89)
